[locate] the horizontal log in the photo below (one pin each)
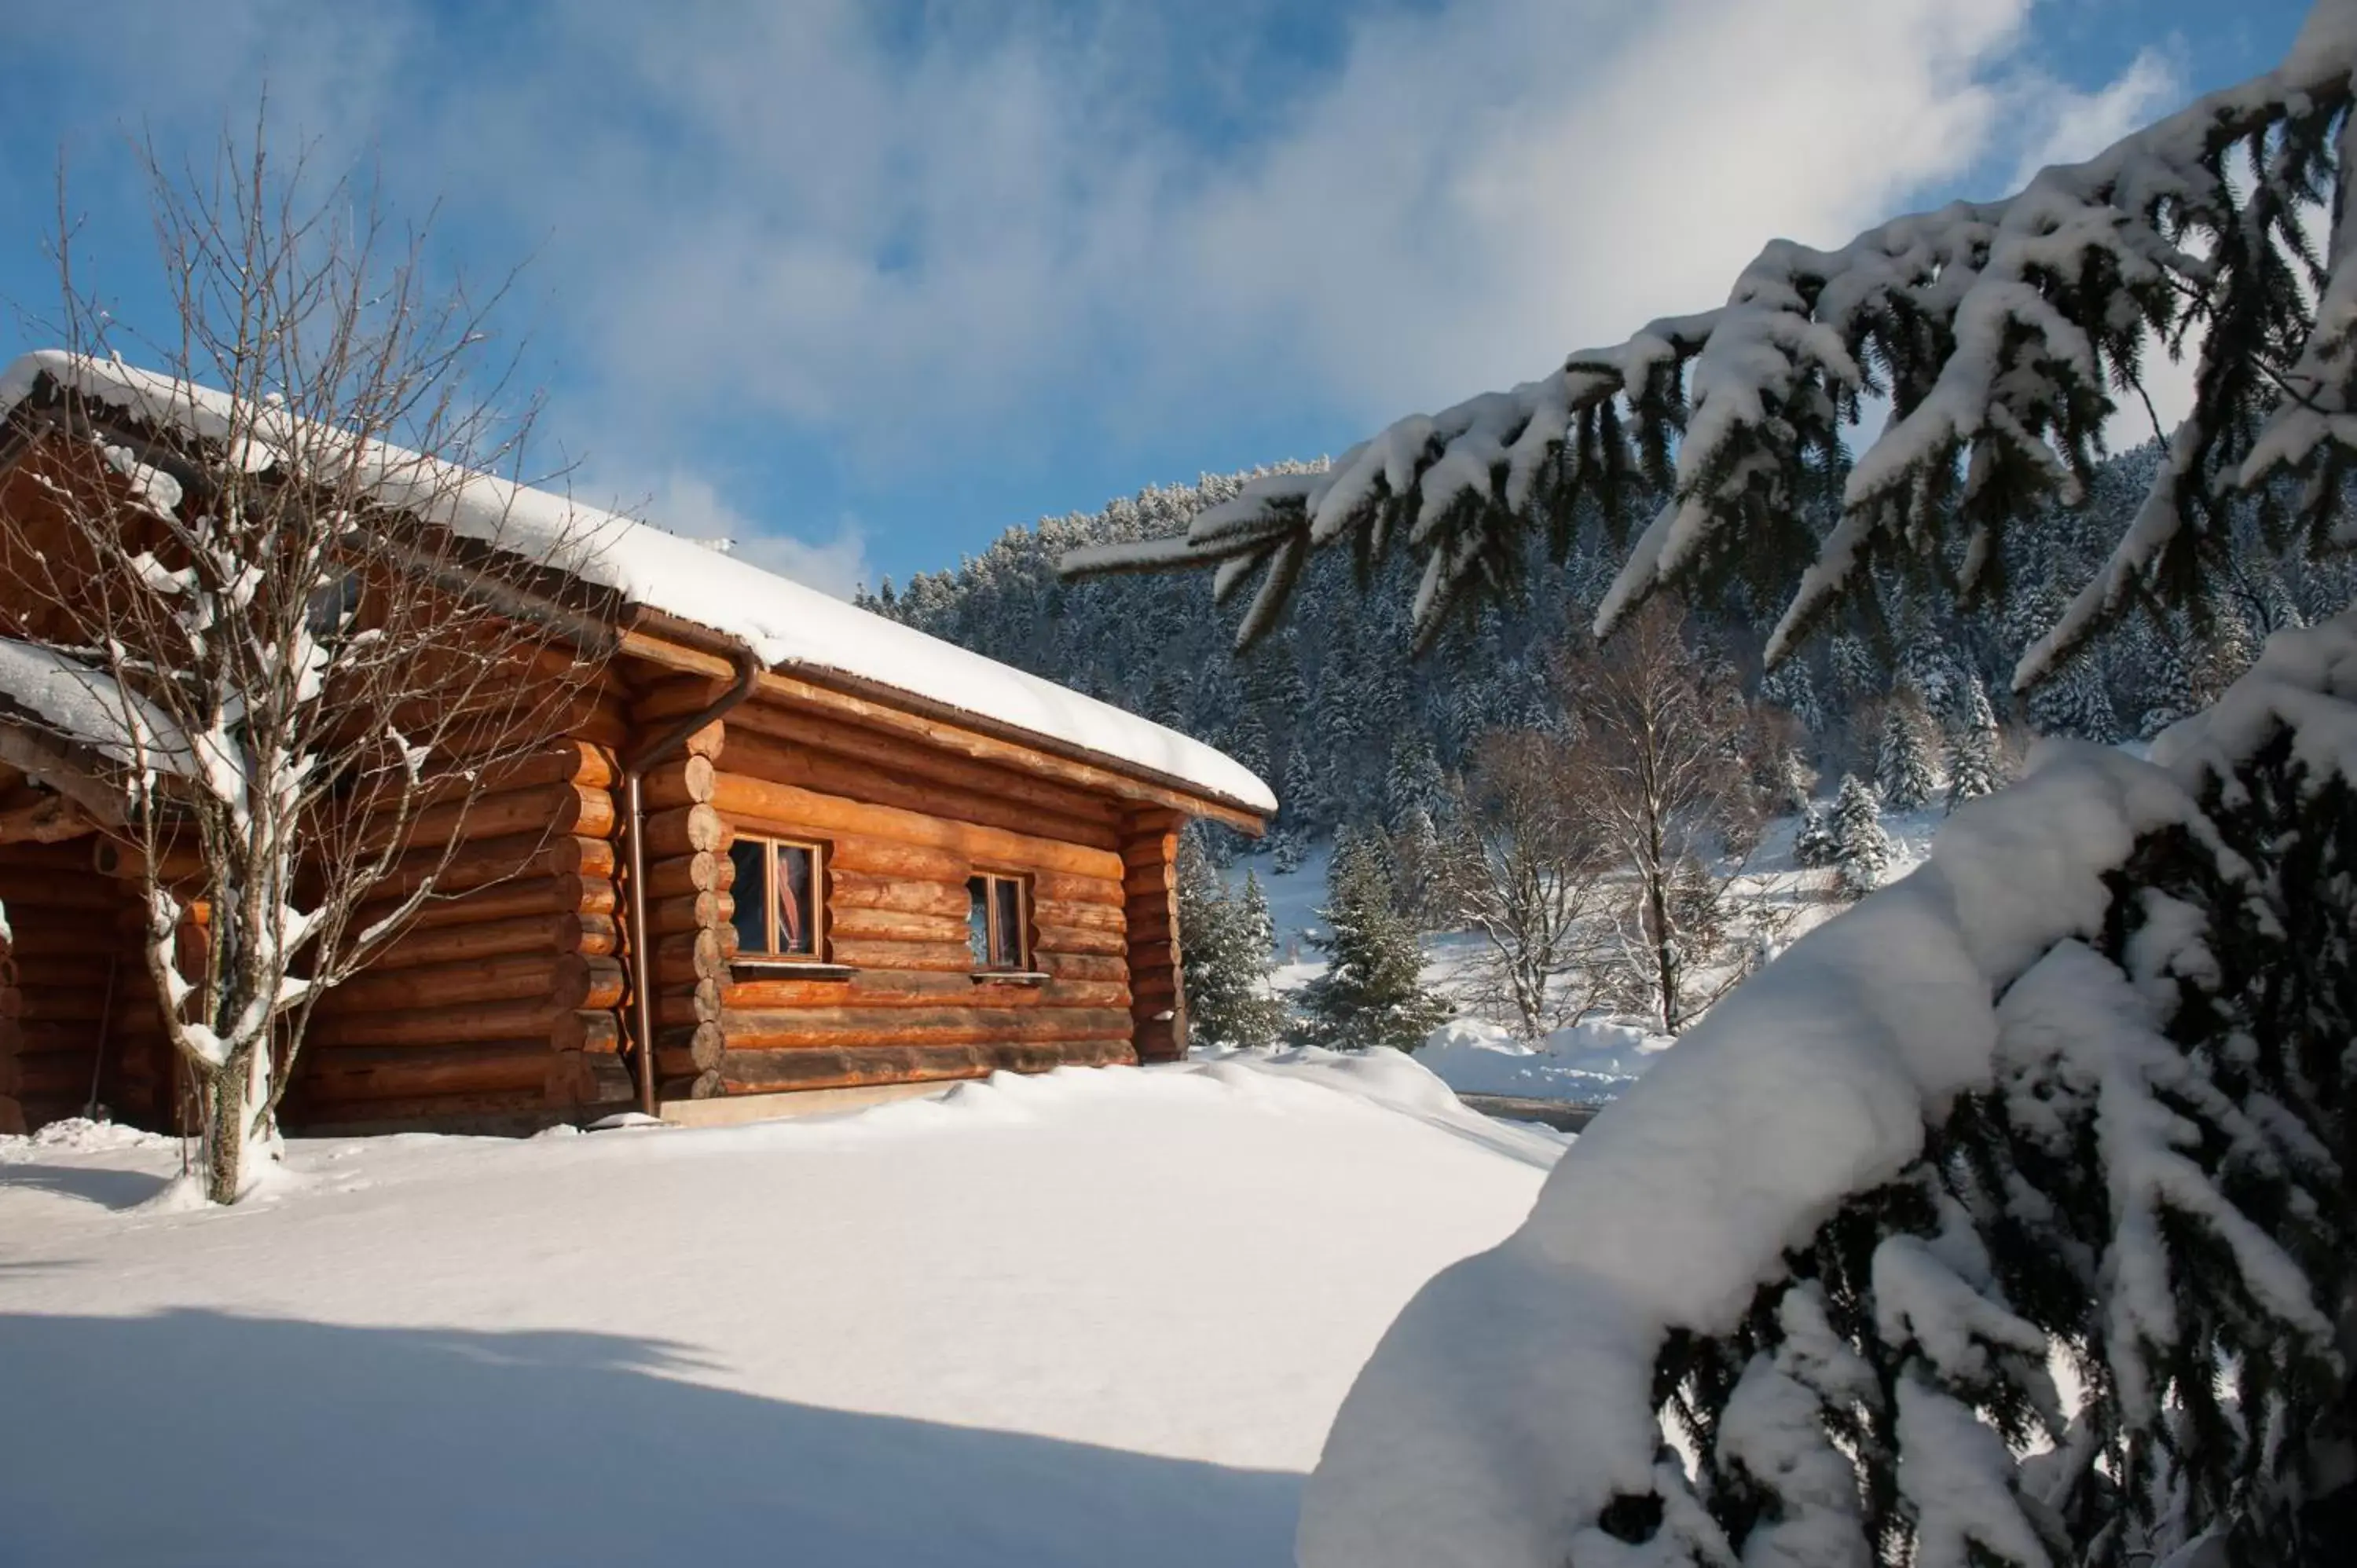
(544, 934)
(577, 1078)
(944, 732)
(573, 808)
(894, 925)
(760, 732)
(1070, 912)
(684, 781)
(34, 938)
(829, 1026)
(24, 891)
(1147, 853)
(520, 1108)
(483, 863)
(683, 875)
(689, 829)
(828, 773)
(858, 890)
(863, 853)
(763, 1072)
(565, 761)
(504, 900)
(696, 955)
(918, 988)
(760, 805)
(690, 1048)
(1083, 966)
(347, 1073)
(533, 1018)
(597, 1031)
(691, 912)
(1080, 939)
(563, 980)
(945, 957)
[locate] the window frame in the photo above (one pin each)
(1024, 958)
(771, 845)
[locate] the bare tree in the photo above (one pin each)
(1662, 768)
(1530, 871)
(323, 627)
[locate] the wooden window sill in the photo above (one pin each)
(1011, 977)
(799, 967)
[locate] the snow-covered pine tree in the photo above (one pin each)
(1813, 848)
(1227, 947)
(1975, 749)
(2168, 684)
(2165, 1059)
(1858, 673)
(1861, 848)
(1903, 767)
(1794, 781)
(1373, 993)
(1790, 687)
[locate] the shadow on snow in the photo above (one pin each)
(195, 1437)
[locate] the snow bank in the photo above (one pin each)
(1511, 1399)
(1591, 1060)
(1099, 1315)
(789, 625)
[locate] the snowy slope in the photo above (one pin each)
(787, 623)
(1093, 1317)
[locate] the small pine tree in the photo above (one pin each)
(1861, 849)
(1372, 992)
(1904, 767)
(1812, 845)
(1794, 779)
(1976, 752)
(1226, 944)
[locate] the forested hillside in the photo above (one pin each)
(1334, 713)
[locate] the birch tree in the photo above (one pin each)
(282, 558)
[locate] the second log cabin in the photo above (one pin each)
(780, 845)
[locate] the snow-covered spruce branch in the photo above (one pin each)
(1998, 331)
(279, 563)
(2070, 1099)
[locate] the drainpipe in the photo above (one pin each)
(635, 764)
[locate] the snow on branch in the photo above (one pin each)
(1516, 1404)
(1998, 331)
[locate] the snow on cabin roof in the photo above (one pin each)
(787, 623)
(86, 707)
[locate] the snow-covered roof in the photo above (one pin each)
(86, 707)
(787, 623)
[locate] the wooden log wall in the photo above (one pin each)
(1149, 854)
(71, 976)
(504, 998)
(904, 828)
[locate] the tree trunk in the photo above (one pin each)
(239, 1133)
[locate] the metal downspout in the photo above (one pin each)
(749, 668)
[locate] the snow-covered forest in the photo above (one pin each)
(1353, 732)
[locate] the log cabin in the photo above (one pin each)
(782, 847)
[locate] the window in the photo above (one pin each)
(995, 925)
(779, 908)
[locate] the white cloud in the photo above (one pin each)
(689, 504)
(2069, 126)
(993, 237)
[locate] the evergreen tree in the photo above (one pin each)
(1227, 948)
(2134, 1134)
(1903, 768)
(1372, 992)
(1813, 847)
(1861, 849)
(1975, 749)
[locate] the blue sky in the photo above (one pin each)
(864, 284)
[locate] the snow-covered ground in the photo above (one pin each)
(1600, 1056)
(1102, 1316)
